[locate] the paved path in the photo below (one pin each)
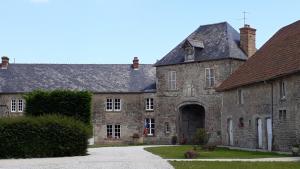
(133, 157)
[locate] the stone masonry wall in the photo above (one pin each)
(191, 89)
(258, 104)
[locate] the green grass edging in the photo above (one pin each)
(177, 152)
(233, 165)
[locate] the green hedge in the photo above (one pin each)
(45, 136)
(76, 104)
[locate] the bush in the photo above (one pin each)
(75, 104)
(191, 154)
(201, 137)
(174, 140)
(45, 136)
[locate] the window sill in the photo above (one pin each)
(152, 110)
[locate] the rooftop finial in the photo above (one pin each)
(244, 17)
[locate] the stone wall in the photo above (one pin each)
(261, 102)
(191, 89)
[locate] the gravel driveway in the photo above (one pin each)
(133, 157)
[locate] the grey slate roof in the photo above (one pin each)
(92, 77)
(220, 41)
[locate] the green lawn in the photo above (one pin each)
(234, 165)
(177, 152)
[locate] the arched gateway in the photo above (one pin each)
(191, 117)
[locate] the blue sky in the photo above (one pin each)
(111, 31)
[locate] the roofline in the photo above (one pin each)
(200, 61)
(71, 64)
(259, 81)
(89, 91)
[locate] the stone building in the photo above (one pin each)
(177, 95)
(261, 99)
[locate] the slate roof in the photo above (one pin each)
(220, 41)
(279, 56)
(93, 77)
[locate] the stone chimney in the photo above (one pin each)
(135, 63)
(247, 40)
(5, 62)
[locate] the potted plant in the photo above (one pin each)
(295, 150)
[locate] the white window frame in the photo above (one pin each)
(149, 104)
(109, 104)
(210, 79)
(172, 80)
(240, 96)
(20, 105)
(282, 89)
(151, 126)
(117, 104)
(13, 105)
(117, 131)
(109, 131)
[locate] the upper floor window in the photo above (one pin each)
(282, 114)
(210, 77)
(172, 80)
(282, 89)
(113, 104)
(109, 104)
(13, 105)
(117, 106)
(240, 96)
(20, 105)
(149, 104)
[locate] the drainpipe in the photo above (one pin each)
(272, 110)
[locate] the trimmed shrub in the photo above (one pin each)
(44, 136)
(201, 137)
(191, 154)
(75, 104)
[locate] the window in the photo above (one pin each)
(13, 105)
(282, 114)
(117, 105)
(240, 96)
(117, 131)
(167, 127)
(241, 122)
(113, 104)
(109, 104)
(20, 105)
(150, 126)
(172, 80)
(109, 131)
(209, 77)
(189, 53)
(113, 130)
(149, 104)
(282, 89)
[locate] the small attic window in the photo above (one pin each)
(189, 51)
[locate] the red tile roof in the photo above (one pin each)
(279, 56)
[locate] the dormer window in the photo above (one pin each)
(189, 54)
(189, 47)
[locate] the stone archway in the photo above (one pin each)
(192, 117)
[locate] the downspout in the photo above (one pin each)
(272, 110)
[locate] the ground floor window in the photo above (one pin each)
(113, 131)
(13, 105)
(149, 128)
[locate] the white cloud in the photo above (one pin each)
(39, 1)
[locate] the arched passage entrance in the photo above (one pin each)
(192, 117)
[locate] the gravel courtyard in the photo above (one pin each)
(133, 157)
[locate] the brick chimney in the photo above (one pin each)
(5, 62)
(247, 40)
(135, 63)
